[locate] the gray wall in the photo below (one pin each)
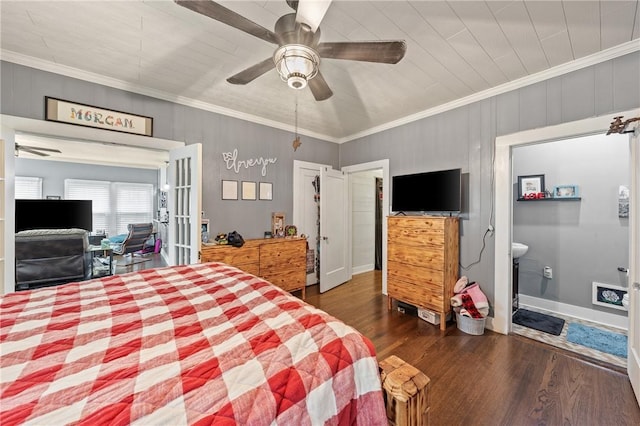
(465, 137)
(53, 174)
(22, 94)
(583, 241)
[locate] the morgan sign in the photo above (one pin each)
(90, 116)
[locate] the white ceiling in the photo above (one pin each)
(455, 50)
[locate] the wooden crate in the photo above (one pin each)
(406, 392)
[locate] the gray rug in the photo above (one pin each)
(537, 321)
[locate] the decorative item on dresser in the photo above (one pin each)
(423, 253)
(280, 261)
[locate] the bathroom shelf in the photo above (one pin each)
(551, 199)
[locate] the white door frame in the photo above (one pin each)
(12, 125)
(365, 167)
(501, 322)
(633, 350)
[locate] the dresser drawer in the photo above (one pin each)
(251, 268)
(416, 237)
(427, 223)
(292, 278)
(284, 254)
(231, 255)
(418, 294)
(415, 274)
(432, 259)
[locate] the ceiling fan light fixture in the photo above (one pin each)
(296, 64)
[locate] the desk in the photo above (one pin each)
(104, 258)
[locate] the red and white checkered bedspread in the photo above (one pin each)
(197, 344)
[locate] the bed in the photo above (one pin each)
(197, 344)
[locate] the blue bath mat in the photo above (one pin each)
(598, 339)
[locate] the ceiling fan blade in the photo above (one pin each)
(251, 73)
(311, 12)
(388, 52)
(39, 148)
(320, 88)
(33, 151)
(226, 16)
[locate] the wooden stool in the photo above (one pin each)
(406, 392)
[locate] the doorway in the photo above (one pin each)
(504, 196)
(379, 169)
(305, 208)
(565, 236)
(365, 190)
(12, 127)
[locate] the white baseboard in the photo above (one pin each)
(605, 318)
(312, 279)
(362, 269)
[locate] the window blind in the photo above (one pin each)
(28, 188)
(97, 191)
(134, 204)
(115, 204)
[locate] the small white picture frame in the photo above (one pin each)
(248, 190)
(229, 189)
(266, 191)
(608, 295)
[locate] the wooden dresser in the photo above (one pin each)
(422, 261)
(281, 261)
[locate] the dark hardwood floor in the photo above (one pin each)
(491, 379)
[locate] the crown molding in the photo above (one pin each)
(32, 62)
(594, 59)
(587, 61)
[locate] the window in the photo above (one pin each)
(28, 188)
(134, 204)
(95, 190)
(115, 204)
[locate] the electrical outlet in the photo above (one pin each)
(547, 272)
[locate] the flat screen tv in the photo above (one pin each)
(53, 214)
(438, 191)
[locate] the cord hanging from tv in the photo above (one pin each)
(434, 192)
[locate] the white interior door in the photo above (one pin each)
(333, 229)
(185, 204)
(634, 268)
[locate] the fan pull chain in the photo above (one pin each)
(296, 141)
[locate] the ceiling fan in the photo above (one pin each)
(42, 152)
(299, 51)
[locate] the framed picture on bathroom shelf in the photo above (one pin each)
(608, 295)
(566, 191)
(529, 185)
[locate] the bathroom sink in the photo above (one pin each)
(518, 249)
